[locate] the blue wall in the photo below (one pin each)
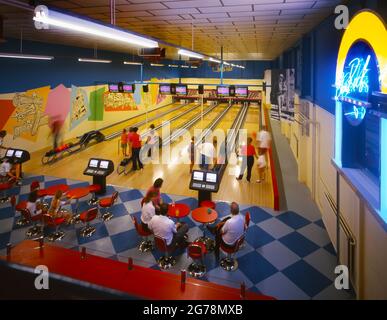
(19, 75)
(319, 55)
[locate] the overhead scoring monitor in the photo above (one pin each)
(128, 88)
(113, 87)
(165, 89)
(181, 89)
(242, 92)
(222, 91)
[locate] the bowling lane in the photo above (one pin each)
(142, 117)
(258, 193)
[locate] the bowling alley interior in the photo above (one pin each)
(193, 149)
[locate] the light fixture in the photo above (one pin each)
(94, 60)
(173, 66)
(133, 63)
(226, 63)
(48, 17)
(184, 66)
(190, 54)
(24, 56)
(215, 60)
(156, 65)
(194, 67)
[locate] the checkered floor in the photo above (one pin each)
(285, 255)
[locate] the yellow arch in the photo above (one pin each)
(369, 27)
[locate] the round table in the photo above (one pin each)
(178, 210)
(77, 193)
(205, 216)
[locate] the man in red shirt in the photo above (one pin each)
(248, 153)
(135, 141)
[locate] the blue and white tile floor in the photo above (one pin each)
(285, 255)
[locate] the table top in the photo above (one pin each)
(50, 191)
(179, 210)
(204, 215)
(77, 193)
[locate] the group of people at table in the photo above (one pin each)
(156, 218)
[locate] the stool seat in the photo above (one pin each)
(86, 217)
(198, 255)
(94, 188)
(208, 204)
(146, 244)
(105, 202)
(21, 205)
(196, 251)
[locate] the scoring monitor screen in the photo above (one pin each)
(223, 91)
(18, 153)
(93, 163)
(211, 177)
(181, 90)
(129, 88)
(113, 87)
(165, 89)
(198, 175)
(10, 153)
(104, 164)
(241, 92)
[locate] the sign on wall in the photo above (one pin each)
(79, 108)
(282, 94)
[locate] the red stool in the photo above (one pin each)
(229, 263)
(36, 230)
(19, 208)
(4, 187)
(146, 244)
(247, 220)
(51, 222)
(196, 252)
(86, 217)
(166, 261)
(107, 203)
(93, 189)
(208, 204)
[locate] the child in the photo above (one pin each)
(261, 165)
(124, 142)
(56, 205)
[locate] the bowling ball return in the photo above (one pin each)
(84, 141)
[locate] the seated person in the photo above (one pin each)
(16, 173)
(229, 230)
(164, 227)
(34, 205)
(55, 208)
(5, 170)
(148, 210)
(157, 200)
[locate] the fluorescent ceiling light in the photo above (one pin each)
(94, 60)
(226, 63)
(194, 67)
(157, 65)
(190, 54)
(57, 19)
(184, 66)
(173, 66)
(215, 60)
(133, 63)
(24, 56)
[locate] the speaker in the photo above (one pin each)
(232, 91)
(120, 87)
(145, 88)
(173, 88)
(201, 89)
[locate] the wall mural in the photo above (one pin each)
(79, 108)
(58, 103)
(117, 101)
(282, 94)
(28, 115)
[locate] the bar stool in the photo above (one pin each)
(36, 229)
(146, 244)
(107, 203)
(93, 189)
(196, 252)
(166, 261)
(4, 187)
(208, 204)
(229, 263)
(86, 217)
(51, 222)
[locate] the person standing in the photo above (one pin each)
(248, 153)
(124, 142)
(264, 139)
(152, 140)
(55, 126)
(135, 141)
(261, 166)
(191, 149)
(207, 152)
(3, 133)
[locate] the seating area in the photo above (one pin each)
(278, 254)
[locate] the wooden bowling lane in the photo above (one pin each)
(120, 126)
(247, 193)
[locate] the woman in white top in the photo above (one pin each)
(152, 140)
(148, 210)
(33, 204)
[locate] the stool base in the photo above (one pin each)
(209, 243)
(146, 246)
(196, 270)
(166, 262)
(107, 216)
(87, 231)
(35, 231)
(229, 264)
(56, 236)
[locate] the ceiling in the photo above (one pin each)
(247, 29)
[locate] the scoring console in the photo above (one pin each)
(99, 169)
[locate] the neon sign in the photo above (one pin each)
(356, 80)
(355, 115)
